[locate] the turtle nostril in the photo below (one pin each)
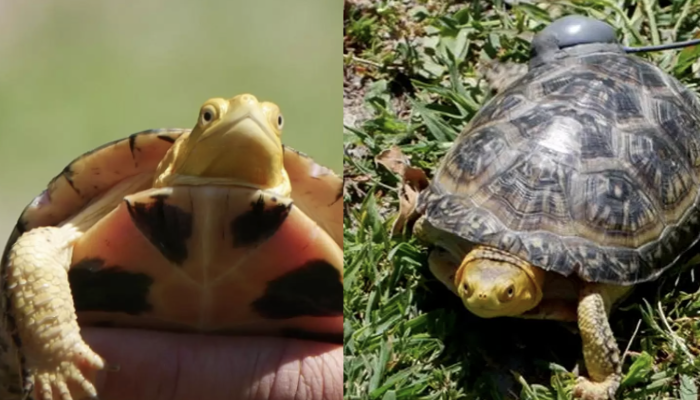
(248, 99)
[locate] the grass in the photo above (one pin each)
(412, 81)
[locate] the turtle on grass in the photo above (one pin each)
(570, 186)
(220, 229)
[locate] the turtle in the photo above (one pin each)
(218, 229)
(569, 187)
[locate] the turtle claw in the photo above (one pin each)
(589, 390)
(70, 378)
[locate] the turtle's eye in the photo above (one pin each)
(274, 117)
(465, 289)
(280, 122)
(207, 114)
(508, 293)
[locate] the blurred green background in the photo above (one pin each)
(76, 74)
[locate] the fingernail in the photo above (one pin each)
(101, 376)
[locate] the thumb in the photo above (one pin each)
(171, 366)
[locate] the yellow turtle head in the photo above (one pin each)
(236, 141)
(493, 283)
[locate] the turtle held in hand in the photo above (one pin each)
(220, 229)
(576, 182)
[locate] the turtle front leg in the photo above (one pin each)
(554, 309)
(600, 350)
(444, 266)
(56, 360)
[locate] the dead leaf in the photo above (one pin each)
(361, 178)
(413, 181)
(357, 151)
(407, 205)
(393, 159)
(352, 182)
(416, 178)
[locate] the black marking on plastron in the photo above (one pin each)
(96, 287)
(313, 289)
(258, 224)
(167, 227)
(327, 337)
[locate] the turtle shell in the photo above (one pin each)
(206, 258)
(587, 165)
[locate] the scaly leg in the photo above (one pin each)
(554, 310)
(56, 359)
(444, 267)
(600, 351)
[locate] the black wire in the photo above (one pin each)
(660, 47)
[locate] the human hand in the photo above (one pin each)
(168, 366)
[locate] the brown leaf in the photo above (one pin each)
(416, 178)
(352, 182)
(414, 181)
(361, 178)
(357, 151)
(393, 159)
(407, 206)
